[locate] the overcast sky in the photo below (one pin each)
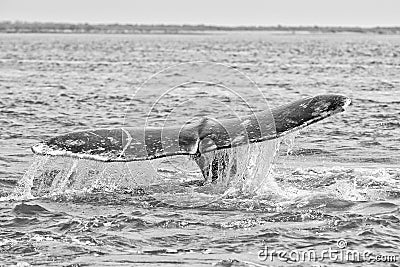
(210, 12)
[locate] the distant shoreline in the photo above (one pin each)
(49, 27)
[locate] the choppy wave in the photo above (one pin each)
(338, 180)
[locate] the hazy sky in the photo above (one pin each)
(217, 12)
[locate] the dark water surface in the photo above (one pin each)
(337, 183)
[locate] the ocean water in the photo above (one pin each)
(334, 186)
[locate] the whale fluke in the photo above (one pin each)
(137, 144)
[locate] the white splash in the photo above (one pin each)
(23, 190)
(244, 170)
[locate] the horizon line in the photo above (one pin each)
(201, 24)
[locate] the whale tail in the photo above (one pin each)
(196, 140)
